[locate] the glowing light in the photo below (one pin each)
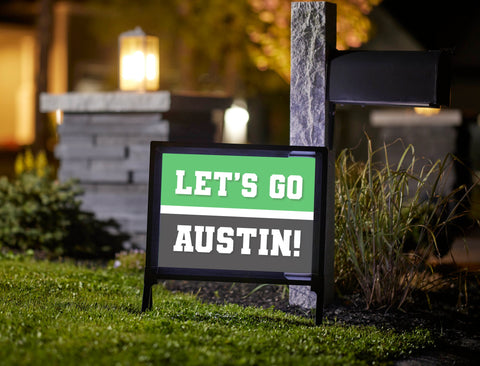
(426, 111)
(151, 67)
(133, 66)
(59, 116)
(139, 61)
(236, 121)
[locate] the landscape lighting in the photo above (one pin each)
(139, 61)
(236, 120)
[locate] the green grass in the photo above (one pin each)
(60, 313)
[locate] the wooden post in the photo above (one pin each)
(313, 38)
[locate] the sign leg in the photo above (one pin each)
(319, 306)
(147, 295)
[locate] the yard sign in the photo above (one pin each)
(235, 213)
(208, 225)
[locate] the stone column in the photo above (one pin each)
(104, 143)
(313, 37)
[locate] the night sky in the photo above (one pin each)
(436, 24)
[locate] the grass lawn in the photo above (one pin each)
(60, 313)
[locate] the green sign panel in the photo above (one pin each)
(234, 182)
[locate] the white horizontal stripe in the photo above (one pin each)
(236, 212)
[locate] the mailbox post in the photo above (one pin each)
(322, 77)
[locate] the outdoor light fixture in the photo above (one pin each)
(139, 61)
(59, 116)
(236, 119)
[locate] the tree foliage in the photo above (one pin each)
(231, 46)
(270, 33)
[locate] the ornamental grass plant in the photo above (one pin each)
(389, 220)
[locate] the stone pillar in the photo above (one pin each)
(313, 35)
(104, 142)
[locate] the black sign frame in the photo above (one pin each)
(154, 273)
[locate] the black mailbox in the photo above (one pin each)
(407, 78)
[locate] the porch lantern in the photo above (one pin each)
(139, 61)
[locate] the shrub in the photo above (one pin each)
(389, 219)
(41, 214)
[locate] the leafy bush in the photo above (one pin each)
(389, 219)
(41, 214)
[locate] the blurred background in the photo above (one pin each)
(234, 49)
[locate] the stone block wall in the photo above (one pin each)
(104, 143)
(108, 153)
